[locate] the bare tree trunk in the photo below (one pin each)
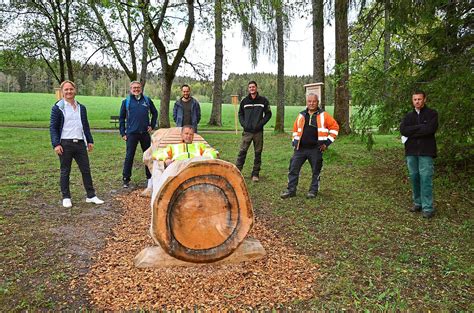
(280, 115)
(341, 101)
(164, 119)
(67, 55)
(67, 40)
(168, 70)
(131, 73)
(387, 37)
(216, 114)
(62, 74)
(385, 125)
(131, 42)
(54, 20)
(144, 69)
(318, 47)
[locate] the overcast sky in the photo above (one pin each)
(298, 52)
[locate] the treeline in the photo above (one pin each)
(19, 74)
(391, 48)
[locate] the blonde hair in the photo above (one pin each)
(66, 82)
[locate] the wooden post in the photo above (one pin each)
(235, 102)
(350, 110)
(313, 88)
(58, 93)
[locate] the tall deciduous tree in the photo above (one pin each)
(175, 55)
(279, 18)
(385, 127)
(341, 98)
(259, 21)
(216, 113)
(122, 28)
(318, 47)
(47, 30)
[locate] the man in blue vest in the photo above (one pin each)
(135, 127)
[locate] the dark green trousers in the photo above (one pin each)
(247, 139)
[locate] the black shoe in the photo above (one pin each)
(311, 195)
(428, 214)
(415, 208)
(287, 194)
(126, 183)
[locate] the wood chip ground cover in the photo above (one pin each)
(282, 277)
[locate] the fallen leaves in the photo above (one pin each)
(114, 283)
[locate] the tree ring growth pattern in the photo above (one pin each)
(201, 210)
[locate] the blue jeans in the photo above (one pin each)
(132, 142)
(421, 176)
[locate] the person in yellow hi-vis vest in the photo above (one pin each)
(185, 150)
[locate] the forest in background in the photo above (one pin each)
(20, 74)
(388, 49)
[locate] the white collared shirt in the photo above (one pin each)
(72, 128)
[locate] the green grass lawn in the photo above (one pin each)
(373, 254)
(34, 109)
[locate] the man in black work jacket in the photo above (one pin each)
(135, 115)
(254, 113)
(418, 130)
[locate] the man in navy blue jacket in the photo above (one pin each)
(418, 128)
(135, 127)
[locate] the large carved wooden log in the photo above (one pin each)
(201, 210)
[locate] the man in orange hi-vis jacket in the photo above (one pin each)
(313, 131)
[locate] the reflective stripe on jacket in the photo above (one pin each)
(183, 151)
(327, 127)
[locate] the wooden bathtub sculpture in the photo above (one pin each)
(201, 210)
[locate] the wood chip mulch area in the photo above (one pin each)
(114, 283)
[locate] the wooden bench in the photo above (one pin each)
(114, 119)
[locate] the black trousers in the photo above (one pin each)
(247, 139)
(77, 151)
(315, 159)
(132, 142)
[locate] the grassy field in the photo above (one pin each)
(34, 109)
(372, 253)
